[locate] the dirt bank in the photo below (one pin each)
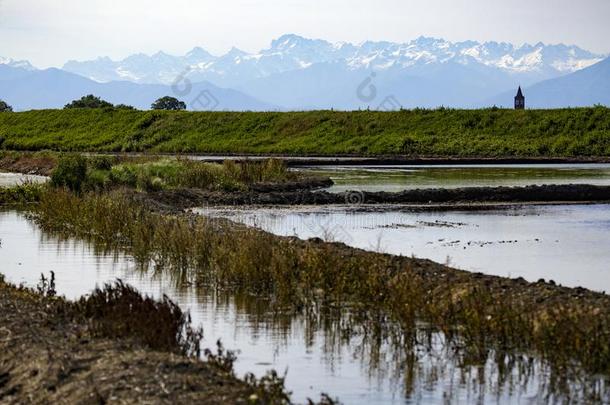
(38, 164)
(422, 161)
(188, 198)
(48, 357)
(306, 160)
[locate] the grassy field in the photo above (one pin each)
(416, 133)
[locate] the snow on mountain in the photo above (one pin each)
(585, 87)
(300, 73)
(293, 52)
(20, 64)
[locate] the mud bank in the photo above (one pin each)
(435, 161)
(476, 196)
(365, 160)
(48, 356)
(38, 164)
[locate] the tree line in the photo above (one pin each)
(90, 101)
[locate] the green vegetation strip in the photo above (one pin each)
(79, 173)
(478, 315)
(443, 132)
(22, 194)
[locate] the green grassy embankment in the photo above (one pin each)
(582, 132)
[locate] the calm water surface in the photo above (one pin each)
(13, 179)
(322, 351)
(398, 178)
(569, 244)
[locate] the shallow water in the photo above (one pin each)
(399, 178)
(322, 351)
(567, 243)
(13, 179)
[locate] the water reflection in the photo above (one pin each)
(399, 178)
(359, 356)
(14, 179)
(564, 243)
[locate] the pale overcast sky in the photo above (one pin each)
(49, 32)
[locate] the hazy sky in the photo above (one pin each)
(49, 32)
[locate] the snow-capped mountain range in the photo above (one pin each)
(297, 73)
(292, 52)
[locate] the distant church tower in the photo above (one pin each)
(519, 100)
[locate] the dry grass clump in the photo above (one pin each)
(119, 311)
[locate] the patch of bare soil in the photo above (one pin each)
(476, 197)
(48, 357)
(28, 164)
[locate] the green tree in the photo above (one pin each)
(89, 101)
(168, 103)
(125, 107)
(4, 107)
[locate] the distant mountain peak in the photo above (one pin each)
(235, 52)
(198, 53)
(287, 39)
(292, 52)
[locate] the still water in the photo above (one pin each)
(399, 178)
(566, 243)
(322, 351)
(13, 179)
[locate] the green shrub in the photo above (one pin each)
(97, 180)
(102, 162)
(21, 194)
(71, 172)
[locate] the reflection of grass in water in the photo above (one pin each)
(419, 361)
(446, 177)
(480, 319)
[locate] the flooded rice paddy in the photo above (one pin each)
(311, 348)
(322, 350)
(14, 179)
(399, 178)
(332, 350)
(565, 243)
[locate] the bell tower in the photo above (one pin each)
(519, 100)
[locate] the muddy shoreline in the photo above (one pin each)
(47, 356)
(377, 160)
(476, 197)
(36, 164)
(305, 160)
